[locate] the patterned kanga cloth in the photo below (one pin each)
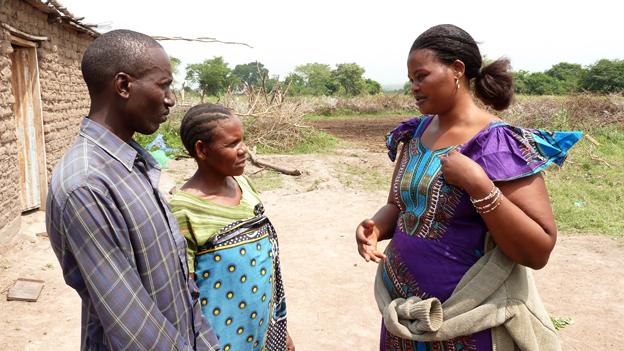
(439, 235)
(237, 270)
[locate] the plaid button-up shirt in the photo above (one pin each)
(119, 246)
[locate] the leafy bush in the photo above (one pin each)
(606, 76)
(603, 77)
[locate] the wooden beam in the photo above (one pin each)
(21, 42)
(23, 35)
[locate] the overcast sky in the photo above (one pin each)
(374, 34)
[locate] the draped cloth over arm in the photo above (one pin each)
(495, 293)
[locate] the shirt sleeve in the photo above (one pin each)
(402, 133)
(506, 152)
(129, 317)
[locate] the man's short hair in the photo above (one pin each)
(116, 51)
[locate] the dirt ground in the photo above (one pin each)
(368, 133)
(328, 287)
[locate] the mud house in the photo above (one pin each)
(42, 99)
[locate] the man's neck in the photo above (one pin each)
(111, 121)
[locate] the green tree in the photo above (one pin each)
(605, 76)
(537, 83)
(372, 87)
(212, 76)
(519, 82)
(317, 78)
(251, 73)
(272, 82)
(349, 78)
(569, 74)
(407, 88)
(295, 84)
(175, 64)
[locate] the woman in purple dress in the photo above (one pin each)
(461, 172)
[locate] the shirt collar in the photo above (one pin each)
(124, 152)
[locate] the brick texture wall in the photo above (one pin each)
(9, 176)
(64, 95)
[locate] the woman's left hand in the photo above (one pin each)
(463, 172)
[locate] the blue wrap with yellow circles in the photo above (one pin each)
(240, 284)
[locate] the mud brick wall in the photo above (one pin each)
(9, 175)
(64, 95)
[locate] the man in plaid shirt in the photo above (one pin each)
(112, 231)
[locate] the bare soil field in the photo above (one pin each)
(328, 286)
(367, 132)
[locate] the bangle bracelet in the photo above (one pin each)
(490, 204)
(491, 209)
(490, 195)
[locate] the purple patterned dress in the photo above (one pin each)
(439, 235)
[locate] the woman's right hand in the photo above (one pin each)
(367, 236)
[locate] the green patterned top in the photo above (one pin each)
(200, 219)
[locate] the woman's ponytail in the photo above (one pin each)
(494, 85)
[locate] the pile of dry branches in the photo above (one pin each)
(582, 111)
(270, 121)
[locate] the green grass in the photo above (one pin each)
(587, 193)
(561, 322)
(362, 178)
(266, 180)
(314, 142)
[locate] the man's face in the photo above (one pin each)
(150, 95)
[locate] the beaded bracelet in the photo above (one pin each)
(491, 209)
(490, 204)
(490, 195)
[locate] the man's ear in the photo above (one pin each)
(459, 69)
(122, 83)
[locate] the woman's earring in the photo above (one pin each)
(457, 83)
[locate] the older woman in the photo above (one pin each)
(232, 246)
